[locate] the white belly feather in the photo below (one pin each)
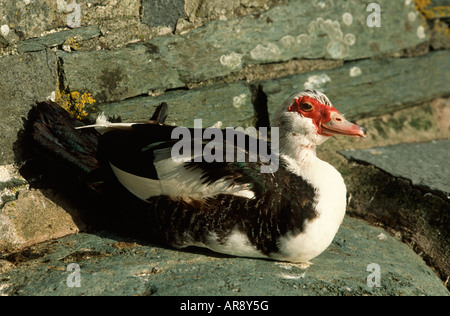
(330, 205)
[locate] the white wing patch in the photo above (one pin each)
(178, 182)
(139, 186)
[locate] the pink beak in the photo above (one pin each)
(338, 125)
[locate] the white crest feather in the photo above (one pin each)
(102, 125)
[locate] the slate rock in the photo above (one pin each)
(58, 38)
(440, 38)
(371, 87)
(28, 19)
(162, 12)
(10, 182)
(226, 10)
(34, 218)
(24, 80)
(424, 164)
(217, 105)
(220, 48)
(120, 74)
(111, 265)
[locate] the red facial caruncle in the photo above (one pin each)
(327, 120)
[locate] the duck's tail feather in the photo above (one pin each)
(67, 144)
(57, 155)
(51, 134)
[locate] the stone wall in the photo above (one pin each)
(131, 55)
(228, 62)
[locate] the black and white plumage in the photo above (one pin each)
(230, 207)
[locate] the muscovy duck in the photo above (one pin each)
(231, 207)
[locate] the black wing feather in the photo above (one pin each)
(134, 150)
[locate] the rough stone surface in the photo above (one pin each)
(24, 80)
(336, 32)
(226, 10)
(424, 122)
(117, 75)
(359, 88)
(144, 269)
(220, 106)
(119, 22)
(10, 182)
(41, 16)
(424, 164)
(163, 12)
(418, 217)
(440, 36)
(34, 218)
(72, 37)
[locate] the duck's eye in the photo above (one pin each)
(306, 107)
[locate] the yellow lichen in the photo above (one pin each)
(421, 4)
(442, 29)
(433, 12)
(74, 102)
(18, 188)
(440, 12)
(72, 42)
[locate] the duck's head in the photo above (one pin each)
(311, 115)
